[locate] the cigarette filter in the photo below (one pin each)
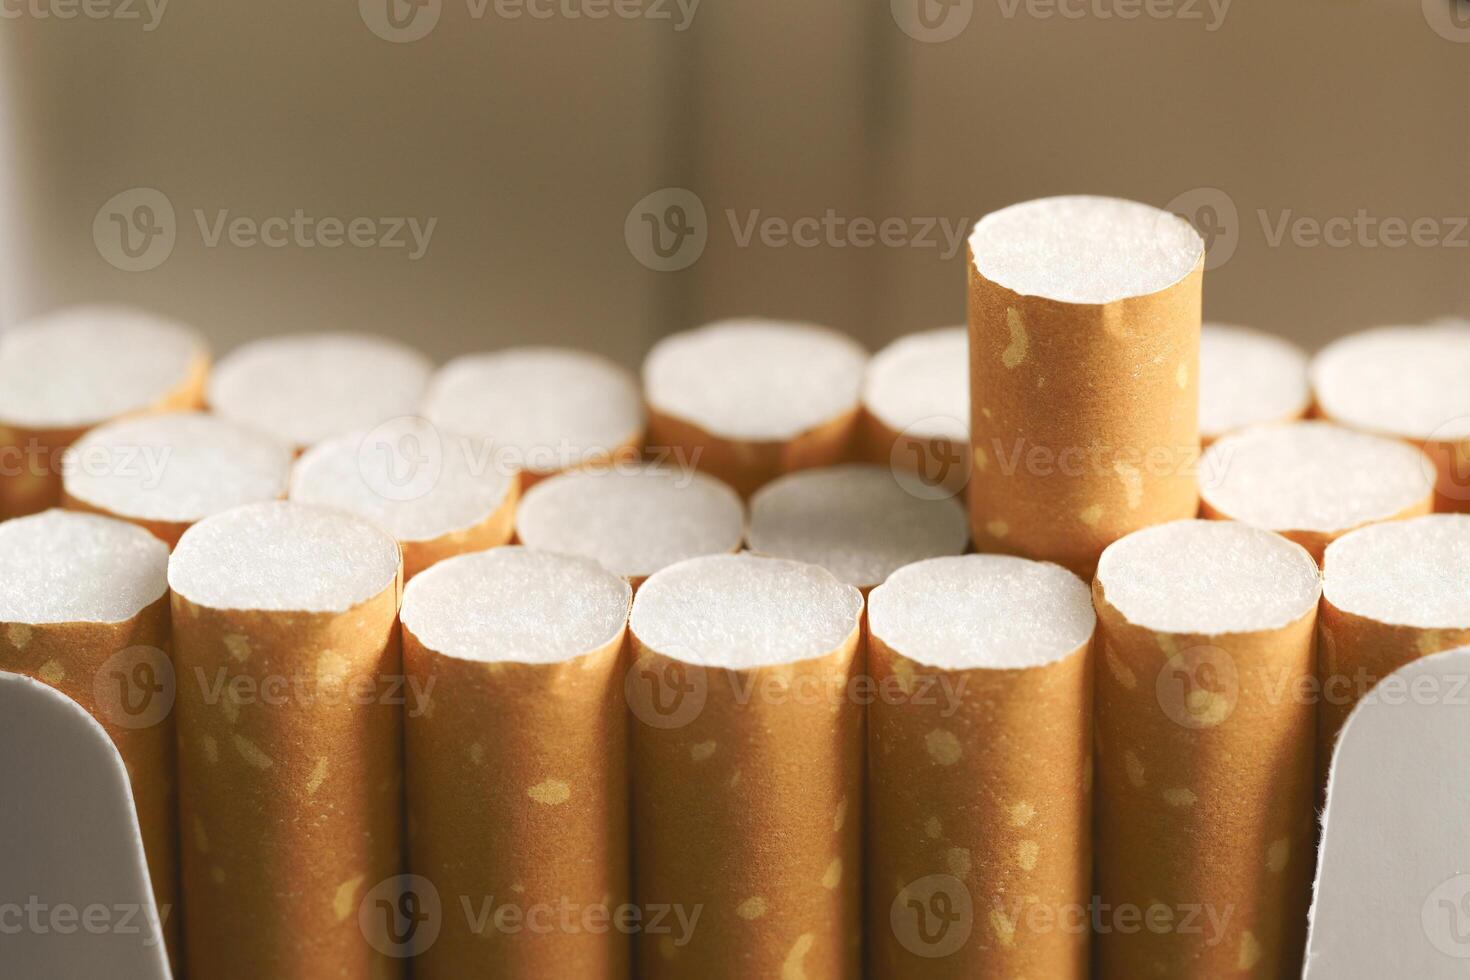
(916, 407)
(855, 520)
(165, 472)
(633, 520)
(1312, 482)
(1204, 830)
(747, 769)
(1392, 593)
(1248, 377)
(424, 487)
(65, 372)
(85, 610)
(290, 754)
(517, 776)
(303, 388)
(1084, 363)
(1407, 382)
(748, 400)
(980, 770)
(540, 410)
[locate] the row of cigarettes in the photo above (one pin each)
(855, 744)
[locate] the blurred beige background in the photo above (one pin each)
(530, 141)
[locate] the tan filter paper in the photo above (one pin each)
(1084, 364)
(1407, 382)
(1204, 736)
(517, 773)
(748, 400)
(1313, 482)
(1392, 593)
(65, 372)
(85, 610)
(290, 744)
(1248, 377)
(916, 409)
(747, 770)
(980, 770)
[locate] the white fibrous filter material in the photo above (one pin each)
(85, 364)
(1313, 476)
(1248, 377)
(1409, 381)
(303, 388)
(1404, 573)
(1084, 249)
(175, 467)
(756, 380)
(283, 556)
(67, 567)
(982, 612)
(857, 521)
(541, 409)
(1208, 578)
(920, 384)
(633, 521)
(515, 604)
(742, 611)
(411, 479)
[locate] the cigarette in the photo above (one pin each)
(979, 770)
(1204, 751)
(1407, 382)
(1313, 482)
(1248, 377)
(290, 756)
(855, 520)
(916, 407)
(747, 769)
(165, 472)
(749, 400)
(85, 610)
(420, 485)
(517, 777)
(1392, 593)
(1084, 363)
(540, 410)
(68, 371)
(304, 388)
(632, 520)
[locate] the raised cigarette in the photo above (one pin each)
(425, 487)
(303, 388)
(85, 610)
(540, 410)
(517, 777)
(1248, 377)
(1084, 363)
(980, 770)
(1407, 382)
(747, 769)
(856, 520)
(165, 472)
(1313, 482)
(748, 400)
(916, 407)
(1205, 740)
(1392, 593)
(65, 372)
(632, 520)
(290, 755)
